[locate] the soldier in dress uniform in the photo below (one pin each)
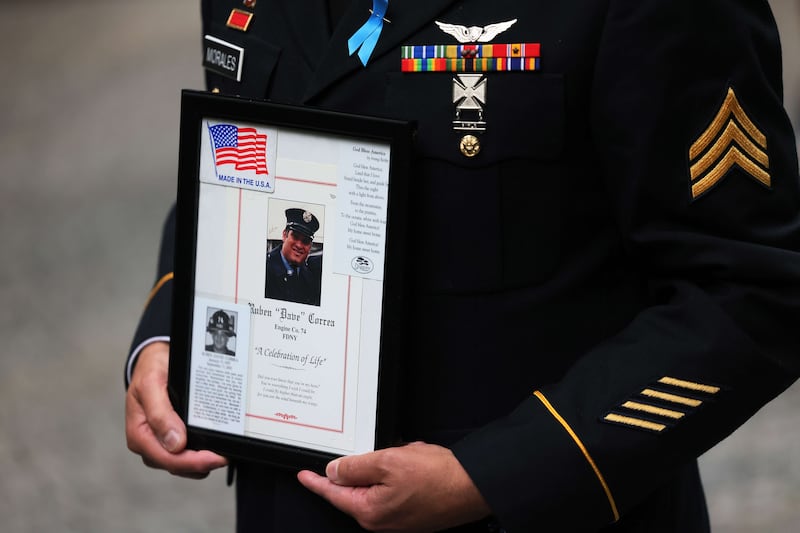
(221, 328)
(630, 175)
(292, 274)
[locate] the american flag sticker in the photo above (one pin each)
(244, 148)
(238, 155)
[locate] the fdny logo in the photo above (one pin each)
(362, 265)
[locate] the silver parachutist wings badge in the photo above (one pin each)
(473, 34)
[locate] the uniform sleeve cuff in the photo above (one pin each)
(531, 469)
(135, 355)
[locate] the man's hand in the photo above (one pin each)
(418, 487)
(153, 428)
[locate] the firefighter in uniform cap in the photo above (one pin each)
(605, 281)
(292, 274)
(220, 326)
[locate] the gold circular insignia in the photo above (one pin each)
(470, 145)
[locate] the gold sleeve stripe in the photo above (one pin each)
(636, 422)
(652, 409)
(164, 279)
(583, 449)
(732, 133)
(729, 106)
(732, 157)
(666, 380)
(674, 398)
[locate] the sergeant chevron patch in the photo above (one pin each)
(730, 140)
(661, 405)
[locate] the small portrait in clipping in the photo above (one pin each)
(221, 331)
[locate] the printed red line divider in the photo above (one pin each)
(238, 246)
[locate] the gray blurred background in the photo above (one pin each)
(89, 96)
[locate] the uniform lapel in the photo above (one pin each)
(308, 22)
(407, 16)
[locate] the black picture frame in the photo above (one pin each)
(197, 107)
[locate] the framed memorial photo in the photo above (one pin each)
(288, 289)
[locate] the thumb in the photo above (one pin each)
(356, 470)
(150, 391)
(165, 423)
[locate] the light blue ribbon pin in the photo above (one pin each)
(366, 37)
